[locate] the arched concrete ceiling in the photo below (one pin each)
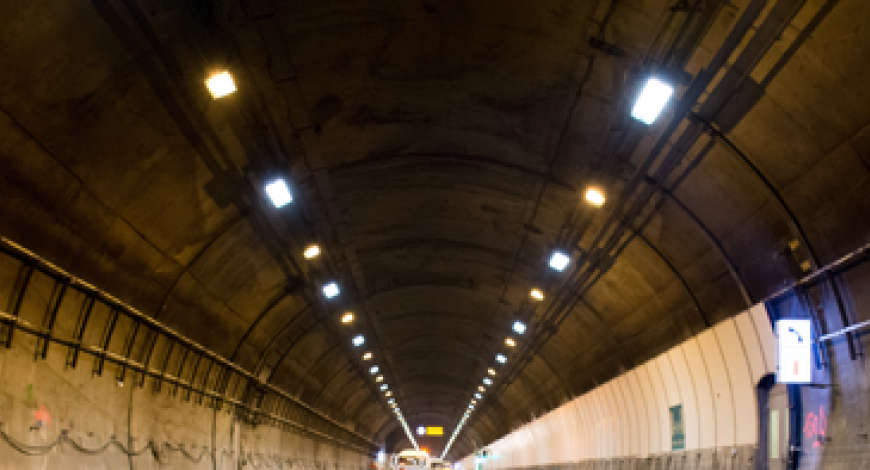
(438, 152)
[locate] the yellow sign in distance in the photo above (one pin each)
(434, 431)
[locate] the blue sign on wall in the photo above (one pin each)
(678, 430)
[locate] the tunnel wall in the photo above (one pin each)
(713, 375)
(104, 419)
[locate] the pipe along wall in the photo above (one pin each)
(54, 416)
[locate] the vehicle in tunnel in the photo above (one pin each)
(411, 459)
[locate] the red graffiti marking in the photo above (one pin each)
(815, 426)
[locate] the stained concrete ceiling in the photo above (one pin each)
(438, 151)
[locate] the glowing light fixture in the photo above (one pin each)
(477, 395)
(487, 381)
(392, 405)
(359, 340)
(384, 387)
(347, 318)
(388, 394)
(500, 358)
(519, 327)
(312, 251)
(510, 342)
(379, 378)
(595, 196)
(537, 294)
(330, 290)
(374, 370)
(652, 100)
(367, 356)
(220, 84)
(481, 389)
(490, 371)
(559, 261)
(470, 406)
(278, 193)
(473, 402)
(391, 401)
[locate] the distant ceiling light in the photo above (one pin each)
(500, 358)
(330, 290)
(481, 389)
(391, 401)
(421, 430)
(470, 406)
(510, 342)
(379, 378)
(595, 196)
(487, 381)
(312, 251)
(490, 371)
(559, 261)
(473, 402)
(220, 84)
(347, 318)
(392, 405)
(478, 396)
(359, 340)
(367, 356)
(537, 294)
(279, 193)
(374, 370)
(384, 387)
(519, 327)
(652, 100)
(388, 394)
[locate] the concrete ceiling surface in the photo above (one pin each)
(438, 151)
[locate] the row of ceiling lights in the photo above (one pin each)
(652, 100)
(221, 84)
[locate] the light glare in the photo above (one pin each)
(519, 327)
(359, 340)
(388, 394)
(374, 370)
(347, 318)
(384, 387)
(477, 395)
(379, 378)
(652, 100)
(500, 358)
(220, 84)
(367, 356)
(480, 388)
(487, 381)
(537, 294)
(559, 261)
(510, 342)
(278, 193)
(490, 371)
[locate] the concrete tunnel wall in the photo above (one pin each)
(713, 375)
(54, 416)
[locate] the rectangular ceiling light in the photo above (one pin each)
(279, 193)
(652, 100)
(220, 84)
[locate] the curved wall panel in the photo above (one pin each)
(712, 376)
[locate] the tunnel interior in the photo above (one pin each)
(438, 154)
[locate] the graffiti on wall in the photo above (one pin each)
(815, 426)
